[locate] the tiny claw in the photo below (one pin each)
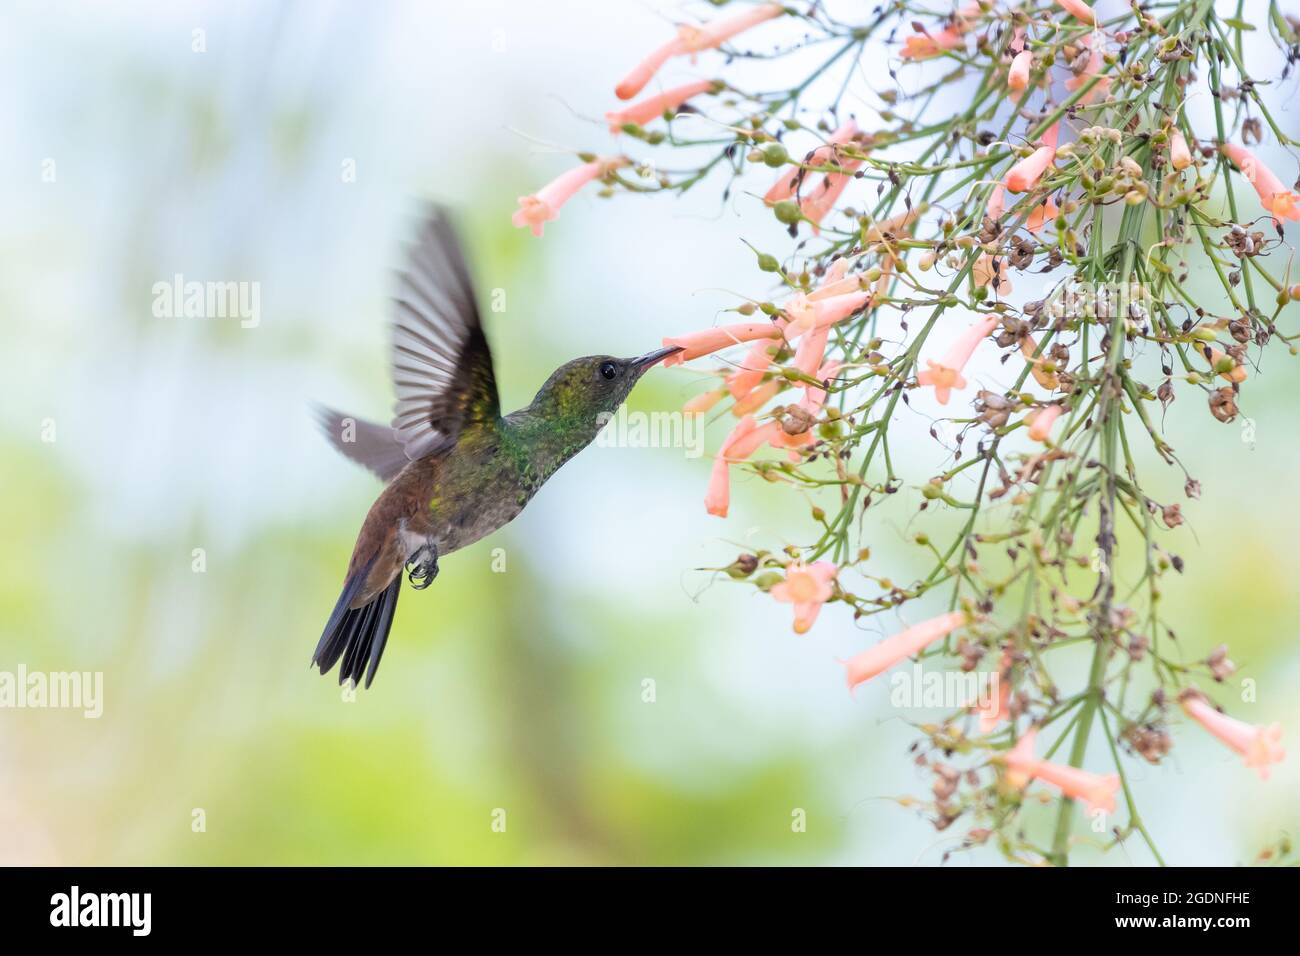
(422, 568)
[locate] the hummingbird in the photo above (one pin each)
(455, 469)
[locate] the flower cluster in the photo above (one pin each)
(1073, 165)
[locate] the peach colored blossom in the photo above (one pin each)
(644, 71)
(1096, 790)
(653, 107)
(812, 348)
(836, 282)
(1235, 374)
(544, 205)
(756, 398)
(1026, 173)
(992, 272)
(814, 395)
(831, 290)
(749, 373)
(704, 401)
(920, 46)
(895, 225)
(807, 587)
(718, 497)
(696, 344)
(712, 35)
(743, 441)
(1043, 213)
(784, 187)
(1277, 199)
(1041, 420)
(1093, 43)
(834, 273)
(997, 203)
(1044, 377)
(1079, 10)
(1018, 73)
(817, 202)
(1259, 745)
(692, 40)
(748, 437)
(1180, 157)
(807, 313)
(818, 205)
(945, 374)
(836, 308)
(991, 717)
(892, 650)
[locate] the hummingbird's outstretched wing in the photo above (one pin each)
(441, 364)
(367, 443)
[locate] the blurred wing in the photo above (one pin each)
(367, 443)
(442, 367)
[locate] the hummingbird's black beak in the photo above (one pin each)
(644, 362)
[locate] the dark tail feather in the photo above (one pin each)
(358, 635)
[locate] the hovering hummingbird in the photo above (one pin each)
(455, 468)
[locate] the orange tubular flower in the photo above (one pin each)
(784, 187)
(807, 588)
(1079, 10)
(899, 647)
(945, 374)
(756, 398)
(835, 282)
(1277, 199)
(991, 271)
(817, 202)
(1044, 377)
(997, 203)
(544, 205)
(696, 344)
(812, 349)
(745, 439)
(1042, 215)
(749, 374)
(691, 40)
(718, 498)
(808, 313)
(1001, 710)
(1237, 374)
(1026, 173)
(895, 224)
(1041, 421)
(922, 46)
(1091, 69)
(653, 107)
(1180, 157)
(823, 199)
(1096, 790)
(1018, 74)
(1260, 746)
(702, 402)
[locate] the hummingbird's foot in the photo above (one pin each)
(422, 567)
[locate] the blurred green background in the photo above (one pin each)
(522, 691)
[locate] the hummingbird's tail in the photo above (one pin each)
(358, 635)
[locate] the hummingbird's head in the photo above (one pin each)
(591, 388)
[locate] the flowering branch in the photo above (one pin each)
(1074, 166)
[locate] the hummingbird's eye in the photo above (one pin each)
(608, 371)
